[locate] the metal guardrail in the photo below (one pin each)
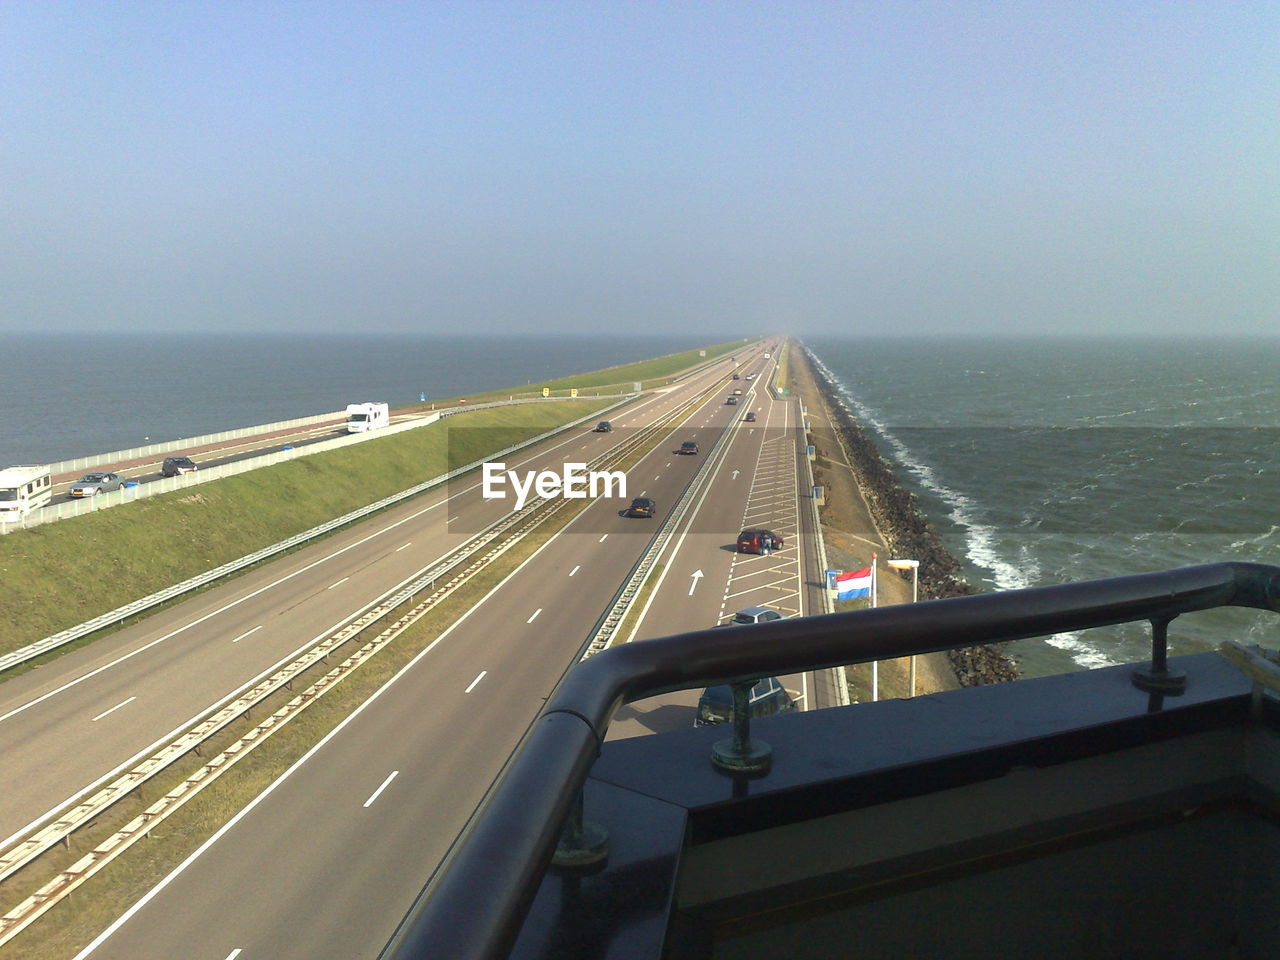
(476, 902)
(168, 446)
(33, 650)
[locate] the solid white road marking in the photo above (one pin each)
(575, 570)
(535, 615)
(246, 633)
(385, 783)
(479, 677)
(398, 549)
(113, 709)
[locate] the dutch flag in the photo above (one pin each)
(854, 583)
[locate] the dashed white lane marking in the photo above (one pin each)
(603, 539)
(247, 633)
(575, 570)
(398, 549)
(535, 615)
(385, 783)
(113, 709)
(234, 953)
(338, 584)
(472, 685)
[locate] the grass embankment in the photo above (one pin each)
(76, 569)
(611, 380)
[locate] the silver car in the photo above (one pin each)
(92, 484)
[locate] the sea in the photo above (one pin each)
(73, 396)
(1051, 461)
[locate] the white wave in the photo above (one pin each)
(1081, 653)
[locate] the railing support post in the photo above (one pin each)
(739, 753)
(582, 842)
(1157, 677)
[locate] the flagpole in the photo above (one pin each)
(915, 593)
(875, 664)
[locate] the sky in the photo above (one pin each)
(899, 168)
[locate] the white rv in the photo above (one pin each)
(362, 417)
(23, 489)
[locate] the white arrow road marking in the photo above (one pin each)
(113, 709)
(478, 678)
(374, 796)
(696, 576)
(735, 474)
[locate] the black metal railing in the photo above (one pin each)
(476, 902)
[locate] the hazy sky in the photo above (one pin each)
(727, 167)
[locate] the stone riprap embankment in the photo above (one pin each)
(900, 521)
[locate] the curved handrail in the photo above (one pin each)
(475, 903)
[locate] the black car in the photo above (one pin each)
(736, 377)
(750, 417)
(732, 402)
(689, 447)
(604, 426)
(768, 697)
(176, 466)
(641, 507)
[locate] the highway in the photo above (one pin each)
(82, 718)
(327, 860)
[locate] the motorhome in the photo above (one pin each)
(23, 489)
(362, 417)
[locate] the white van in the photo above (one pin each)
(23, 489)
(362, 417)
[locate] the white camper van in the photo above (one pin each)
(23, 489)
(362, 417)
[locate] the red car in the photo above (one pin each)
(758, 540)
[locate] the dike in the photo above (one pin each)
(907, 533)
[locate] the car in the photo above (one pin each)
(732, 402)
(758, 540)
(176, 466)
(736, 377)
(750, 417)
(641, 507)
(92, 484)
(768, 697)
(748, 615)
(737, 393)
(751, 376)
(604, 426)
(689, 447)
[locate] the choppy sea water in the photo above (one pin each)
(1042, 462)
(73, 396)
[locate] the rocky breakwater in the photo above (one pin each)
(906, 532)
